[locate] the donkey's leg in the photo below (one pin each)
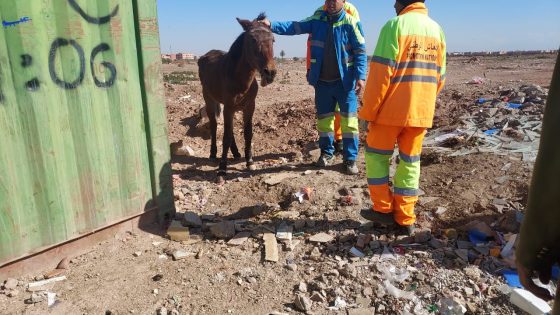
(233, 148)
(248, 112)
(228, 136)
(212, 113)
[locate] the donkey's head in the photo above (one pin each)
(258, 48)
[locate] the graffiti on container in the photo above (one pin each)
(61, 42)
(98, 49)
(91, 19)
(33, 84)
(7, 24)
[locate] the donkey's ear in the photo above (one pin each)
(246, 24)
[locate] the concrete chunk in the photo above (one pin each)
(270, 247)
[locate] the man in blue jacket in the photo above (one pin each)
(338, 73)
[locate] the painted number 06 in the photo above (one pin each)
(61, 42)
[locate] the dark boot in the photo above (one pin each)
(378, 217)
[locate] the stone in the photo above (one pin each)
(36, 298)
(426, 200)
(317, 297)
(422, 236)
(179, 254)
(472, 308)
(437, 243)
(239, 239)
(463, 254)
(302, 287)
(303, 303)
(291, 267)
(191, 219)
(223, 230)
(276, 179)
(10, 284)
(270, 247)
(468, 291)
(321, 238)
(361, 311)
(184, 150)
(177, 232)
(135, 254)
(315, 254)
(162, 311)
(375, 245)
(12, 293)
(368, 291)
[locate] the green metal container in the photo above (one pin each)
(83, 133)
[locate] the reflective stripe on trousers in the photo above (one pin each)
(380, 146)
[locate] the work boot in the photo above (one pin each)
(338, 147)
(378, 217)
(324, 160)
(407, 230)
(350, 167)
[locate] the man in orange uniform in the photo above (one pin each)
(351, 10)
(407, 71)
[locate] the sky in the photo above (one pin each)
(478, 25)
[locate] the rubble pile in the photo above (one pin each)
(506, 123)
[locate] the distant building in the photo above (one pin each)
(185, 56)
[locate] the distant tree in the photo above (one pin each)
(296, 58)
(282, 54)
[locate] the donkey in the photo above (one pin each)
(229, 79)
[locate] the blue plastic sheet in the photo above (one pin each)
(476, 237)
(491, 132)
(512, 278)
(513, 105)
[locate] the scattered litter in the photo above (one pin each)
(476, 80)
(51, 299)
(338, 304)
(507, 251)
(449, 306)
(528, 302)
(284, 232)
(356, 252)
(44, 282)
(304, 194)
(512, 278)
(387, 255)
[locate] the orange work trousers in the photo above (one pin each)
(381, 142)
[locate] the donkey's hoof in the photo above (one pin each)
(236, 156)
(251, 166)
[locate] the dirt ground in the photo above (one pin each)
(133, 273)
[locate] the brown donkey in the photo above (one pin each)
(229, 79)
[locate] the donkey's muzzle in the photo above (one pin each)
(267, 76)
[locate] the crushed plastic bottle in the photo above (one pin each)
(448, 306)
